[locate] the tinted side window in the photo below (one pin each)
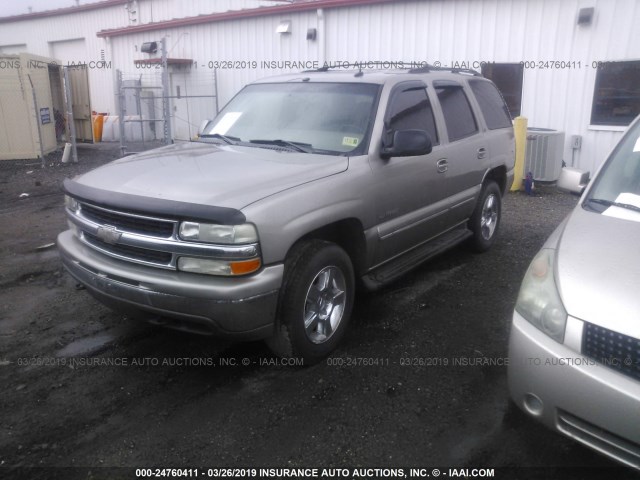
(491, 103)
(457, 112)
(410, 109)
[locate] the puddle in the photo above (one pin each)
(87, 345)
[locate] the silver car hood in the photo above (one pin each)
(220, 175)
(598, 270)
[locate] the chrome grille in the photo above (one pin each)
(146, 240)
(127, 222)
(612, 349)
(128, 252)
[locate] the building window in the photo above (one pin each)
(616, 97)
(508, 79)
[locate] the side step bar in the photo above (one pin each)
(398, 266)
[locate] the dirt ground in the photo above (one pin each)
(86, 391)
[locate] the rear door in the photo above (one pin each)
(465, 156)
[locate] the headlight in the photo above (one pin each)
(539, 301)
(224, 234)
(70, 203)
(218, 267)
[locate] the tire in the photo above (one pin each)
(485, 221)
(318, 286)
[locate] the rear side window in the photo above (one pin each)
(410, 109)
(491, 103)
(457, 112)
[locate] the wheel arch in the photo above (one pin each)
(348, 234)
(498, 175)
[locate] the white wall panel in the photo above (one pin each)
(13, 49)
(41, 36)
(504, 31)
(160, 10)
(429, 30)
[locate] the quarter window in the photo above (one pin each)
(616, 98)
(508, 78)
(493, 107)
(458, 116)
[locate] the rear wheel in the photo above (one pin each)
(485, 220)
(315, 301)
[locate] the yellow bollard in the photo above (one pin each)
(520, 130)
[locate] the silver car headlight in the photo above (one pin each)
(539, 301)
(221, 234)
(71, 203)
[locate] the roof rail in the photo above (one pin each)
(431, 68)
(326, 68)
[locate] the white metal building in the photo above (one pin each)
(549, 57)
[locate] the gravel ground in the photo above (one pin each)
(67, 414)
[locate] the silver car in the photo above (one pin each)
(575, 337)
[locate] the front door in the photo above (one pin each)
(408, 191)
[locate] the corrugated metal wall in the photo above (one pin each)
(505, 31)
(47, 35)
(233, 50)
(43, 35)
(158, 10)
(446, 31)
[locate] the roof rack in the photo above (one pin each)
(431, 68)
(425, 69)
(326, 68)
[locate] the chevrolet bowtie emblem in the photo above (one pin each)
(109, 234)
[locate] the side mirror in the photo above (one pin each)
(407, 143)
(573, 180)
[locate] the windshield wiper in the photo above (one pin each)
(609, 203)
(297, 146)
(227, 139)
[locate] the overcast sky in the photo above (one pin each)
(13, 7)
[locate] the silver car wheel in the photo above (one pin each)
(489, 217)
(324, 304)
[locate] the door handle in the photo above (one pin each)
(482, 152)
(442, 165)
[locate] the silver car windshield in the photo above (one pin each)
(617, 186)
(331, 118)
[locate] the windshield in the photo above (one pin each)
(618, 183)
(331, 118)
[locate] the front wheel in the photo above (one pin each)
(485, 220)
(315, 301)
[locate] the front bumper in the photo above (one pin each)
(572, 394)
(240, 307)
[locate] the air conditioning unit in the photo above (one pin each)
(543, 159)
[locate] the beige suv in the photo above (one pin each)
(304, 185)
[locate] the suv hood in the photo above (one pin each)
(598, 270)
(217, 175)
